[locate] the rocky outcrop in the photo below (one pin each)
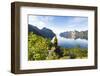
(75, 34)
(45, 32)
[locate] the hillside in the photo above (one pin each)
(44, 32)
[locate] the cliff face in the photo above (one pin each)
(75, 34)
(45, 32)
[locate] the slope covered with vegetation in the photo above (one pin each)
(41, 48)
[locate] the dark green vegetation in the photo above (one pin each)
(44, 32)
(37, 47)
(41, 48)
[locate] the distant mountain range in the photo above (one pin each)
(75, 34)
(44, 32)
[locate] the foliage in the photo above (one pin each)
(55, 41)
(52, 56)
(75, 53)
(37, 47)
(40, 48)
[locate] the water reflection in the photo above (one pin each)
(72, 42)
(75, 34)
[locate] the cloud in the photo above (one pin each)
(34, 20)
(46, 18)
(59, 24)
(77, 23)
(78, 20)
(40, 21)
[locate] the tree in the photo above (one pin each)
(37, 47)
(55, 41)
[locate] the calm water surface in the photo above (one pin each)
(71, 43)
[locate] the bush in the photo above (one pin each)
(37, 47)
(40, 48)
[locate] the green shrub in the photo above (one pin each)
(37, 47)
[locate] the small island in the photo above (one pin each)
(75, 34)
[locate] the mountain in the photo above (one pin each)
(44, 32)
(47, 33)
(34, 29)
(64, 34)
(75, 34)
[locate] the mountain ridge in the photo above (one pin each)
(44, 32)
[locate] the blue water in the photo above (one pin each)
(71, 43)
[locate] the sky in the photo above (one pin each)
(59, 24)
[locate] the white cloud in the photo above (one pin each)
(40, 21)
(76, 23)
(40, 24)
(79, 20)
(34, 20)
(47, 18)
